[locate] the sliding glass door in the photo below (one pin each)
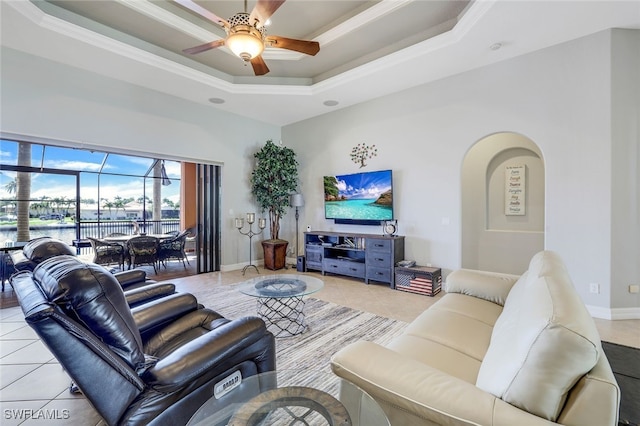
(208, 218)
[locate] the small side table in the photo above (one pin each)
(419, 279)
(280, 300)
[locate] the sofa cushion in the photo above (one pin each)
(437, 355)
(543, 342)
(491, 286)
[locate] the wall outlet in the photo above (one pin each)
(634, 288)
(594, 288)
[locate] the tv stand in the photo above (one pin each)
(367, 256)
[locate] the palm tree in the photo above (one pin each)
(167, 202)
(108, 204)
(23, 192)
(119, 203)
(11, 186)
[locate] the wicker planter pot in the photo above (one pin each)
(275, 254)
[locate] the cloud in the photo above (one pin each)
(77, 165)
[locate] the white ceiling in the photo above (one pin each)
(367, 48)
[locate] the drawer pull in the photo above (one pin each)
(379, 273)
(380, 260)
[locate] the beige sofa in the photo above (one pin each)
(497, 349)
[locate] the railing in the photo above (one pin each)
(103, 228)
(67, 231)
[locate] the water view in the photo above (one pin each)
(358, 209)
(67, 232)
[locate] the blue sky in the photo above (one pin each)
(364, 185)
(79, 159)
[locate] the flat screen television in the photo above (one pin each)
(364, 198)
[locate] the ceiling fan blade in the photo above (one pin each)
(204, 47)
(263, 10)
(259, 66)
(303, 46)
(194, 7)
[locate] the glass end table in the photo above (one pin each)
(280, 300)
(296, 397)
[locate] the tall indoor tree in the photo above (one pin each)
(273, 180)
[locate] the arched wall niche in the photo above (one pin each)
(494, 237)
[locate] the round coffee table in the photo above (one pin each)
(280, 300)
(294, 397)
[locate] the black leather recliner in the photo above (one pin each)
(154, 364)
(38, 250)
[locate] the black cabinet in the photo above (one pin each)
(366, 256)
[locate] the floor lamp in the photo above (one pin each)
(297, 201)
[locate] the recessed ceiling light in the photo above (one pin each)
(330, 103)
(216, 100)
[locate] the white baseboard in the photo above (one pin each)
(614, 314)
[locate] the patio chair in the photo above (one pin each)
(143, 250)
(107, 253)
(173, 248)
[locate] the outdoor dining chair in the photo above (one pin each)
(107, 252)
(143, 250)
(173, 248)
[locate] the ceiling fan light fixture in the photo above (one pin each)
(244, 42)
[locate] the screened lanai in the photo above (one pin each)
(74, 193)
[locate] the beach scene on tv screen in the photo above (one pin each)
(358, 196)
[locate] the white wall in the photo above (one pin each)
(491, 240)
(576, 103)
(560, 98)
(625, 187)
(49, 100)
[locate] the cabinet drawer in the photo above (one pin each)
(379, 259)
(378, 244)
(343, 267)
(379, 274)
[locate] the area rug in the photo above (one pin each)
(331, 327)
(625, 363)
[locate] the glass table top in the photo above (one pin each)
(281, 286)
(291, 397)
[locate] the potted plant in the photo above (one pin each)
(273, 179)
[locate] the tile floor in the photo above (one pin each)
(33, 385)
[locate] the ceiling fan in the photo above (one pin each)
(246, 34)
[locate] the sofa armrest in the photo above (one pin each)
(21, 262)
(395, 380)
(156, 313)
(491, 286)
(211, 353)
(133, 276)
(138, 296)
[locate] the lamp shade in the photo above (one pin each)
(244, 43)
(297, 200)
